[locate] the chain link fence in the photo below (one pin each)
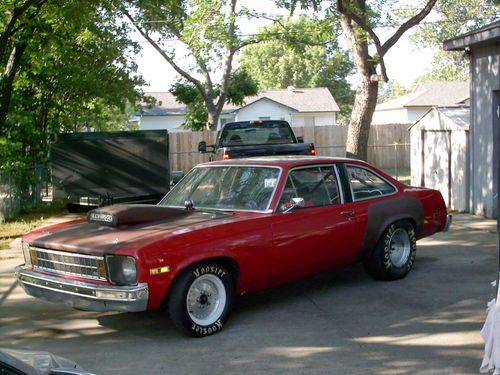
(22, 190)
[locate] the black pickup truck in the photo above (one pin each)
(256, 138)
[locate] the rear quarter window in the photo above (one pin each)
(366, 184)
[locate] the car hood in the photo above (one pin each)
(39, 362)
(108, 229)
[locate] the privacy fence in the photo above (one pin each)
(388, 149)
(388, 146)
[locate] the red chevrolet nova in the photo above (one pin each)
(229, 228)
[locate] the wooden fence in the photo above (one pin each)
(388, 145)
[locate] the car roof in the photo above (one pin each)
(286, 161)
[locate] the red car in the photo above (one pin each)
(229, 228)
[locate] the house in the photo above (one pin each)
(440, 154)
(482, 47)
(426, 95)
(300, 107)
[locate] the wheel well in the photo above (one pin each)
(228, 263)
(367, 251)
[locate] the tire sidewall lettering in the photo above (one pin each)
(214, 270)
(387, 251)
(207, 330)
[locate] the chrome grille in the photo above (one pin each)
(88, 266)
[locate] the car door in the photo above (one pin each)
(320, 231)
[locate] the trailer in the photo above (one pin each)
(100, 168)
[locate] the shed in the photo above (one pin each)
(440, 154)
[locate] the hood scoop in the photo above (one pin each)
(135, 214)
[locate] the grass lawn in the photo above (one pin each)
(13, 228)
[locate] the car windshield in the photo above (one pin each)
(243, 134)
(227, 188)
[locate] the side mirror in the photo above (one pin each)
(296, 202)
(202, 147)
(300, 139)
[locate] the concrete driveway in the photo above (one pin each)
(340, 322)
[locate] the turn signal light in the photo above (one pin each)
(313, 151)
(225, 156)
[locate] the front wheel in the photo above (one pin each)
(200, 299)
(394, 254)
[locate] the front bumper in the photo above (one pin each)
(81, 295)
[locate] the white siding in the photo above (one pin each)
(171, 123)
(264, 108)
(393, 116)
(399, 115)
(318, 119)
(485, 68)
(443, 165)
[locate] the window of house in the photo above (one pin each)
(366, 184)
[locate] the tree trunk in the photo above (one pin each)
(7, 80)
(213, 119)
(366, 92)
(361, 118)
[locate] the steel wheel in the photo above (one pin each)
(394, 254)
(206, 300)
(200, 299)
(400, 247)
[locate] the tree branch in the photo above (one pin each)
(169, 59)
(231, 50)
(415, 20)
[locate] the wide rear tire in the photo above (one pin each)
(200, 299)
(394, 254)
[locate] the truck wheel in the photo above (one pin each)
(394, 254)
(200, 299)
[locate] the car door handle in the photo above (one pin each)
(347, 213)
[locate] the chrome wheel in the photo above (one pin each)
(399, 247)
(206, 299)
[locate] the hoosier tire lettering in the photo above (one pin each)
(394, 255)
(200, 299)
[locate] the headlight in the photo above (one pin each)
(26, 253)
(121, 270)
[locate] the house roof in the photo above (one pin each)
(459, 116)
(166, 105)
(317, 99)
(302, 100)
(430, 94)
(483, 35)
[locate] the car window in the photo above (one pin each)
(256, 134)
(244, 188)
(366, 184)
(316, 185)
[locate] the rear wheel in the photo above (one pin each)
(394, 254)
(200, 299)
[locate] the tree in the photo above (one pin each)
(359, 20)
(300, 53)
(452, 18)
(240, 86)
(16, 22)
(207, 28)
(75, 74)
(391, 90)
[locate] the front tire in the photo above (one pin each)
(201, 298)
(394, 254)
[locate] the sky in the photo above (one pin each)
(404, 63)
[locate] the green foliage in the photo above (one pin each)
(76, 75)
(241, 85)
(452, 18)
(301, 53)
(391, 90)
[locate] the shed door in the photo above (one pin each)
(437, 162)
